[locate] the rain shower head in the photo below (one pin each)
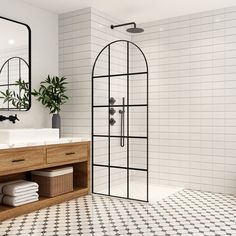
(133, 30)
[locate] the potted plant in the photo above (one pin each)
(51, 94)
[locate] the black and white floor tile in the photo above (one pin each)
(184, 213)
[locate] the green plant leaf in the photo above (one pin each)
(18, 100)
(51, 93)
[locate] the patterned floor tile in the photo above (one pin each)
(184, 213)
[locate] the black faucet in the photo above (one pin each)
(10, 118)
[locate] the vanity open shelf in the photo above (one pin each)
(17, 163)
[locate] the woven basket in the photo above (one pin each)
(53, 186)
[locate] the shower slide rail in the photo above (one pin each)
(122, 125)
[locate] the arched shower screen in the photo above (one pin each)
(120, 122)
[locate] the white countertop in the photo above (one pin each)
(31, 144)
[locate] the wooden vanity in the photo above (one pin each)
(16, 163)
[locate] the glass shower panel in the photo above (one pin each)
(100, 121)
(118, 180)
(100, 179)
(100, 91)
(138, 153)
(138, 121)
(118, 58)
(101, 66)
(137, 93)
(118, 154)
(100, 150)
(118, 89)
(138, 185)
(120, 130)
(137, 62)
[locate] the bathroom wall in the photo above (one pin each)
(82, 35)
(192, 93)
(192, 64)
(44, 27)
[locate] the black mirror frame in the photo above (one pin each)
(29, 62)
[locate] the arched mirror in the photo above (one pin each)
(15, 65)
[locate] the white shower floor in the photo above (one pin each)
(159, 192)
(138, 191)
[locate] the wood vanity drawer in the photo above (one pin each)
(19, 159)
(67, 153)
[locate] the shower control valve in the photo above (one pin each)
(112, 101)
(112, 121)
(112, 111)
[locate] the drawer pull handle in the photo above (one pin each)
(19, 160)
(70, 153)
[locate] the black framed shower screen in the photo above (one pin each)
(103, 74)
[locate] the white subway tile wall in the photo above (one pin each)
(83, 34)
(192, 93)
(192, 64)
(101, 35)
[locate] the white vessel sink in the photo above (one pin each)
(17, 136)
(3, 146)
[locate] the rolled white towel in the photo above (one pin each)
(20, 188)
(20, 200)
(6, 183)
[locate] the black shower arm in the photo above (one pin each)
(131, 23)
